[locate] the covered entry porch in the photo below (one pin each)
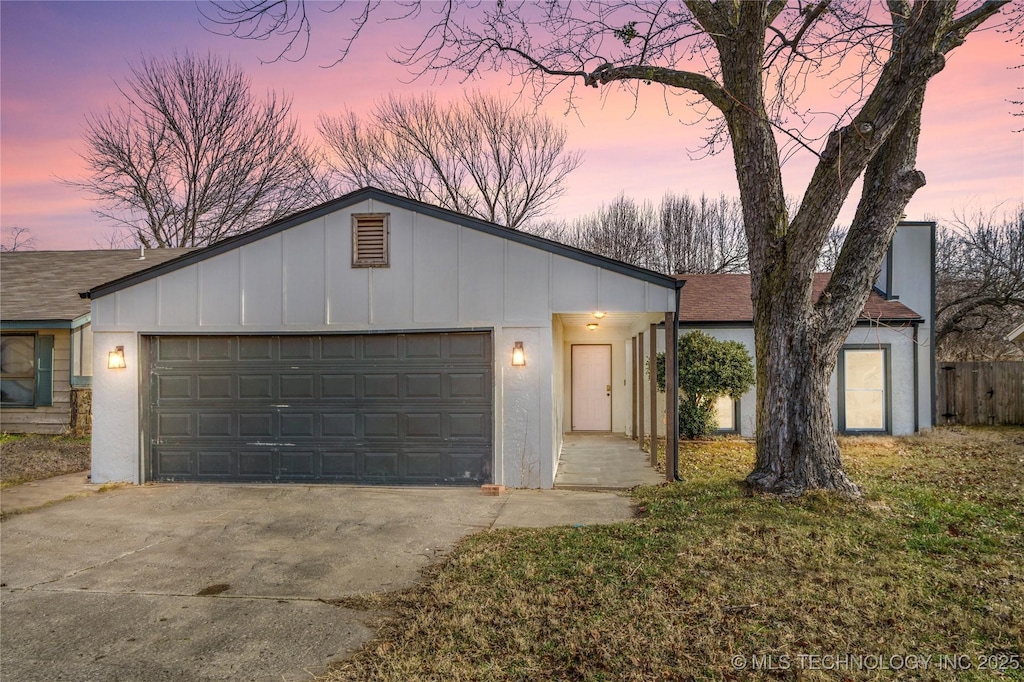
(607, 406)
(603, 461)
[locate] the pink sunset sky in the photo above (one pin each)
(59, 61)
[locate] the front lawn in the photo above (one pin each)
(709, 583)
(30, 458)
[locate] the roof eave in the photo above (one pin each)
(364, 194)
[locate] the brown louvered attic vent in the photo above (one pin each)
(370, 240)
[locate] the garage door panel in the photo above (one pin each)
(380, 386)
(470, 426)
(381, 465)
(423, 346)
(215, 425)
(174, 425)
(378, 408)
(256, 463)
(215, 348)
(172, 348)
(297, 387)
(257, 425)
(174, 388)
(338, 425)
(469, 466)
(256, 387)
(297, 348)
(339, 347)
(255, 348)
(215, 463)
(175, 463)
(298, 463)
(426, 425)
(425, 465)
(216, 387)
(469, 385)
(380, 425)
(380, 347)
(297, 425)
(338, 386)
(424, 386)
(469, 347)
(339, 464)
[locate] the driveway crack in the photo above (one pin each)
(92, 566)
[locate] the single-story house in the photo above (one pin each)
(372, 339)
(46, 335)
(883, 381)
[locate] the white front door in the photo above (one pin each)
(591, 388)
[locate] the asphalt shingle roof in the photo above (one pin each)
(44, 285)
(726, 298)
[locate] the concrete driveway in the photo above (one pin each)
(214, 582)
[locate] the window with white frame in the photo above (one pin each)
(725, 413)
(864, 390)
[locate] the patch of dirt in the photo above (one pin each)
(30, 458)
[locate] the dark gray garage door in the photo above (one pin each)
(376, 408)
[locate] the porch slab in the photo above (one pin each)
(603, 461)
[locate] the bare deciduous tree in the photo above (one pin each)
(679, 235)
(191, 157)
(622, 229)
(18, 239)
(749, 64)
(481, 156)
(979, 285)
(701, 236)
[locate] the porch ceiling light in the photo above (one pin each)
(599, 315)
(592, 326)
(115, 358)
(518, 355)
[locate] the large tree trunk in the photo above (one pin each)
(796, 444)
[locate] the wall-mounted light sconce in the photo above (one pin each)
(599, 315)
(592, 326)
(518, 355)
(115, 358)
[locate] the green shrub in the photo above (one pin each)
(708, 368)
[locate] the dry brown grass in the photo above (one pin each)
(30, 458)
(928, 564)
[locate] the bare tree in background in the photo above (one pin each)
(679, 235)
(18, 238)
(623, 230)
(746, 67)
(481, 156)
(702, 236)
(190, 156)
(979, 285)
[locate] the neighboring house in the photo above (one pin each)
(46, 350)
(883, 379)
(1016, 336)
(372, 339)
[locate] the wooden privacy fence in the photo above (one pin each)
(973, 393)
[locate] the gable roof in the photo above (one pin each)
(397, 201)
(726, 299)
(45, 285)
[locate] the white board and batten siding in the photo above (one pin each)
(442, 275)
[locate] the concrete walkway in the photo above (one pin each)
(35, 494)
(603, 461)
